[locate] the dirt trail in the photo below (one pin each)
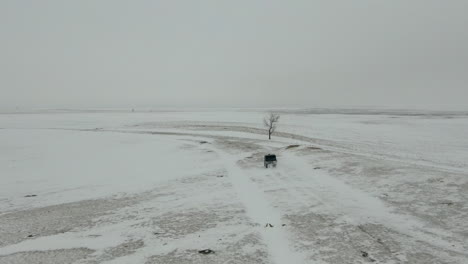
(360, 207)
(261, 212)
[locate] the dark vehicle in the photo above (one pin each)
(270, 159)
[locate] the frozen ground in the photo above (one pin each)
(157, 187)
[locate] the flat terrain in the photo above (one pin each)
(364, 186)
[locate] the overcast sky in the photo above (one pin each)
(216, 53)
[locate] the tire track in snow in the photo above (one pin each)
(359, 207)
(262, 213)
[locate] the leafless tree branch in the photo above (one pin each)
(270, 122)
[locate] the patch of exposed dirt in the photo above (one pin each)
(248, 249)
(180, 224)
(236, 146)
(341, 242)
(59, 256)
(121, 250)
(50, 220)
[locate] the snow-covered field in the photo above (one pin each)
(157, 187)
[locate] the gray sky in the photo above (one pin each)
(90, 53)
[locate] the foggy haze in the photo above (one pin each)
(233, 53)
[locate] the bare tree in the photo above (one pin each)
(270, 122)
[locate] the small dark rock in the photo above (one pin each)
(206, 251)
(220, 176)
(203, 142)
(30, 236)
(30, 195)
(283, 225)
(364, 254)
(268, 225)
(317, 168)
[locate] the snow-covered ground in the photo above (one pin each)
(158, 186)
